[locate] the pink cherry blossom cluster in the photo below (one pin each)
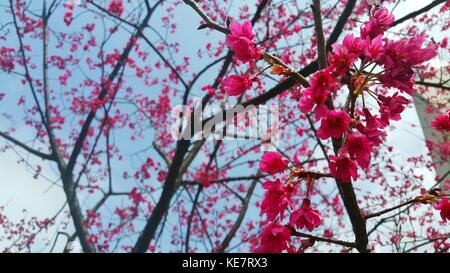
(362, 62)
(68, 15)
(277, 198)
(368, 65)
(442, 122)
(241, 42)
(116, 7)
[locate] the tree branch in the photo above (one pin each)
(321, 239)
(418, 12)
(320, 38)
(226, 241)
(376, 214)
(27, 148)
(209, 22)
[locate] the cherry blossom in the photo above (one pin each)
(276, 199)
(334, 124)
(241, 42)
(444, 207)
(236, 85)
(273, 162)
(322, 83)
(343, 168)
(359, 148)
(442, 122)
(391, 107)
(400, 57)
(305, 216)
(274, 238)
(378, 23)
(116, 7)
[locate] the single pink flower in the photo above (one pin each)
(245, 50)
(274, 239)
(442, 122)
(241, 30)
(444, 207)
(276, 199)
(306, 102)
(241, 42)
(359, 149)
(391, 107)
(399, 59)
(305, 216)
(343, 168)
(321, 84)
(380, 22)
(334, 124)
(272, 162)
(339, 59)
(345, 54)
(236, 85)
(323, 80)
(374, 48)
(354, 45)
(372, 128)
(116, 7)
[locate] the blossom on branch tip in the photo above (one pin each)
(236, 85)
(272, 162)
(374, 48)
(355, 46)
(116, 7)
(241, 42)
(241, 30)
(305, 216)
(323, 81)
(399, 59)
(311, 99)
(378, 23)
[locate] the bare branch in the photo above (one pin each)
(210, 23)
(27, 148)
